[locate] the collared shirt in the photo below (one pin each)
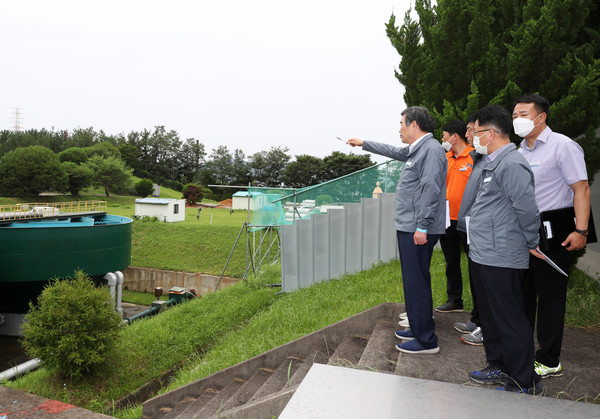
(557, 162)
(421, 192)
(490, 158)
(459, 170)
(413, 145)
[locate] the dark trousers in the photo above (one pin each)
(416, 282)
(545, 292)
(507, 336)
(451, 243)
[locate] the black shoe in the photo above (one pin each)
(489, 375)
(449, 306)
(536, 390)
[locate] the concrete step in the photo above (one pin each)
(213, 405)
(279, 378)
(245, 393)
(380, 354)
(198, 401)
(266, 382)
(349, 351)
(317, 356)
(271, 404)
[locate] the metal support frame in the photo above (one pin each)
(254, 253)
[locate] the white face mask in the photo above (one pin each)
(447, 146)
(523, 126)
(481, 149)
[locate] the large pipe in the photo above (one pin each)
(120, 280)
(149, 312)
(111, 279)
(20, 369)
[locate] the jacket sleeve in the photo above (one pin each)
(393, 152)
(433, 183)
(520, 190)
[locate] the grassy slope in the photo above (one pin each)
(206, 335)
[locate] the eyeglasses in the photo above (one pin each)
(486, 129)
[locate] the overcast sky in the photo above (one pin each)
(245, 74)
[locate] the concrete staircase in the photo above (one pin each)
(263, 385)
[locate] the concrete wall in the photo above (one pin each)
(146, 279)
(343, 241)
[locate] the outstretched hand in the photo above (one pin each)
(354, 142)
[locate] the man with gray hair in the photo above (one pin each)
(419, 221)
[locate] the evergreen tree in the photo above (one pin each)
(462, 55)
(28, 171)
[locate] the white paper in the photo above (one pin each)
(548, 229)
(447, 213)
(551, 263)
(467, 219)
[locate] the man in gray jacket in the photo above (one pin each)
(419, 221)
(503, 231)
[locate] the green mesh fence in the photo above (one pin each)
(273, 206)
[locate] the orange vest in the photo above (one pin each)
(459, 170)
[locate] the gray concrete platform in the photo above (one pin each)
(333, 392)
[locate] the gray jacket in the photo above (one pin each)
(421, 192)
(505, 220)
(470, 192)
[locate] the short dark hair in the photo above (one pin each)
(471, 118)
(540, 103)
(456, 127)
(421, 116)
(497, 116)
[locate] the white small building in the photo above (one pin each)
(239, 200)
(168, 210)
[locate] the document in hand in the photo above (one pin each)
(558, 224)
(551, 263)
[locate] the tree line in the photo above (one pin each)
(35, 161)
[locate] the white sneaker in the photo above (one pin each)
(403, 316)
(474, 338)
(404, 323)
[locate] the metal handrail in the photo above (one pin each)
(37, 210)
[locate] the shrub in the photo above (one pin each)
(144, 187)
(207, 193)
(192, 193)
(73, 328)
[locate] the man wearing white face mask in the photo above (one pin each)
(460, 164)
(561, 181)
(503, 230)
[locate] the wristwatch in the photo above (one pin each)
(582, 232)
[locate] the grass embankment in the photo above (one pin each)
(198, 244)
(206, 335)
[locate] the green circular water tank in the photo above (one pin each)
(34, 252)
